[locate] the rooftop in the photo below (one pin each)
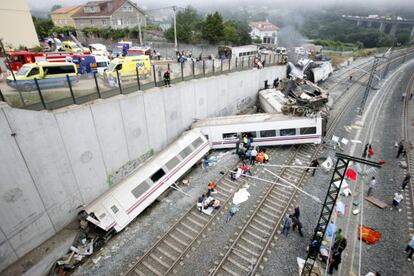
(263, 25)
(66, 9)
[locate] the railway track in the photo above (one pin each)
(170, 249)
(248, 249)
(405, 129)
(161, 258)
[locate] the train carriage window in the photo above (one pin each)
(172, 163)
(102, 216)
(251, 134)
(229, 136)
(140, 189)
(288, 131)
(157, 175)
(268, 133)
(308, 130)
(114, 209)
(185, 152)
(198, 142)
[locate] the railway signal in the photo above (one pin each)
(338, 175)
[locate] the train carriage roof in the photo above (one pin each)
(245, 119)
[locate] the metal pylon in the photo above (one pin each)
(369, 84)
(341, 166)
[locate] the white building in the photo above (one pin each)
(265, 31)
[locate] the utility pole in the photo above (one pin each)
(175, 29)
(140, 33)
(369, 84)
(341, 166)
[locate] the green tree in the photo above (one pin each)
(230, 34)
(213, 28)
(237, 33)
(188, 22)
(43, 25)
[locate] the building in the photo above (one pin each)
(117, 14)
(265, 31)
(63, 16)
(16, 24)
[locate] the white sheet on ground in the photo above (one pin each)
(241, 196)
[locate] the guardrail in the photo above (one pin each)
(89, 87)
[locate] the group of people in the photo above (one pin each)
(292, 221)
(249, 153)
(368, 151)
(207, 200)
(244, 169)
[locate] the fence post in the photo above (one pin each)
(248, 63)
(242, 64)
(193, 69)
(40, 93)
(70, 89)
(138, 82)
(237, 59)
(119, 81)
(213, 67)
(204, 68)
(97, 87)
(168, 66)
(155, 76)
(182, 71)
(221, 66)
(229, 64)
(1, 96)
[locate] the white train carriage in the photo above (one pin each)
(116, 208)
(265, 129)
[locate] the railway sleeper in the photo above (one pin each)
(152, 269)
(270, 213)
(278, 204)
(140, 273)
(164, 252)
(247, 249)
(273, 207)
(189, 227)
(226, 190)
(229, 271)
(251, 233)
(227, 183)
(248, 260)
(264, 217)
(173, 246)
(194, 221)
(257, 228)
(200, 216)
(177, 239)
(252, 243)
(234, 262)
(182, 232)
(274, 193)
(256, 220)
(160, 261)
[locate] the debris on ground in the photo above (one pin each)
(376, 202)
(368, 234)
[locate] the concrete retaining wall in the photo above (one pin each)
(53, 162)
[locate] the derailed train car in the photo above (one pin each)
(116, 208)
(264, 129)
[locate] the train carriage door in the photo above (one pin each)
(115, 210)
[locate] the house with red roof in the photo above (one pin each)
(117, 14)
(63, 16)
(265, 31)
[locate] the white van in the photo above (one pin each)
(102, 63)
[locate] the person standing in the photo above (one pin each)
(334, 261)
(371, 185)
(296, 223)
(253, 155)
(286, 225)
(400, 149)
(296, 214)
(314, 163)
(396, 201)
(410, 248)
(405, 182)
(167, 78)
(370, 151)
(364, 154)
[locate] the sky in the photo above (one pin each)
(215, 4)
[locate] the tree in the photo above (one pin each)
(188, 22)
(213, 28)
(237, 33)
(42, 25)
(230, 34)
(55, 7)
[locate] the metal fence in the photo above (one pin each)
(89, 87)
